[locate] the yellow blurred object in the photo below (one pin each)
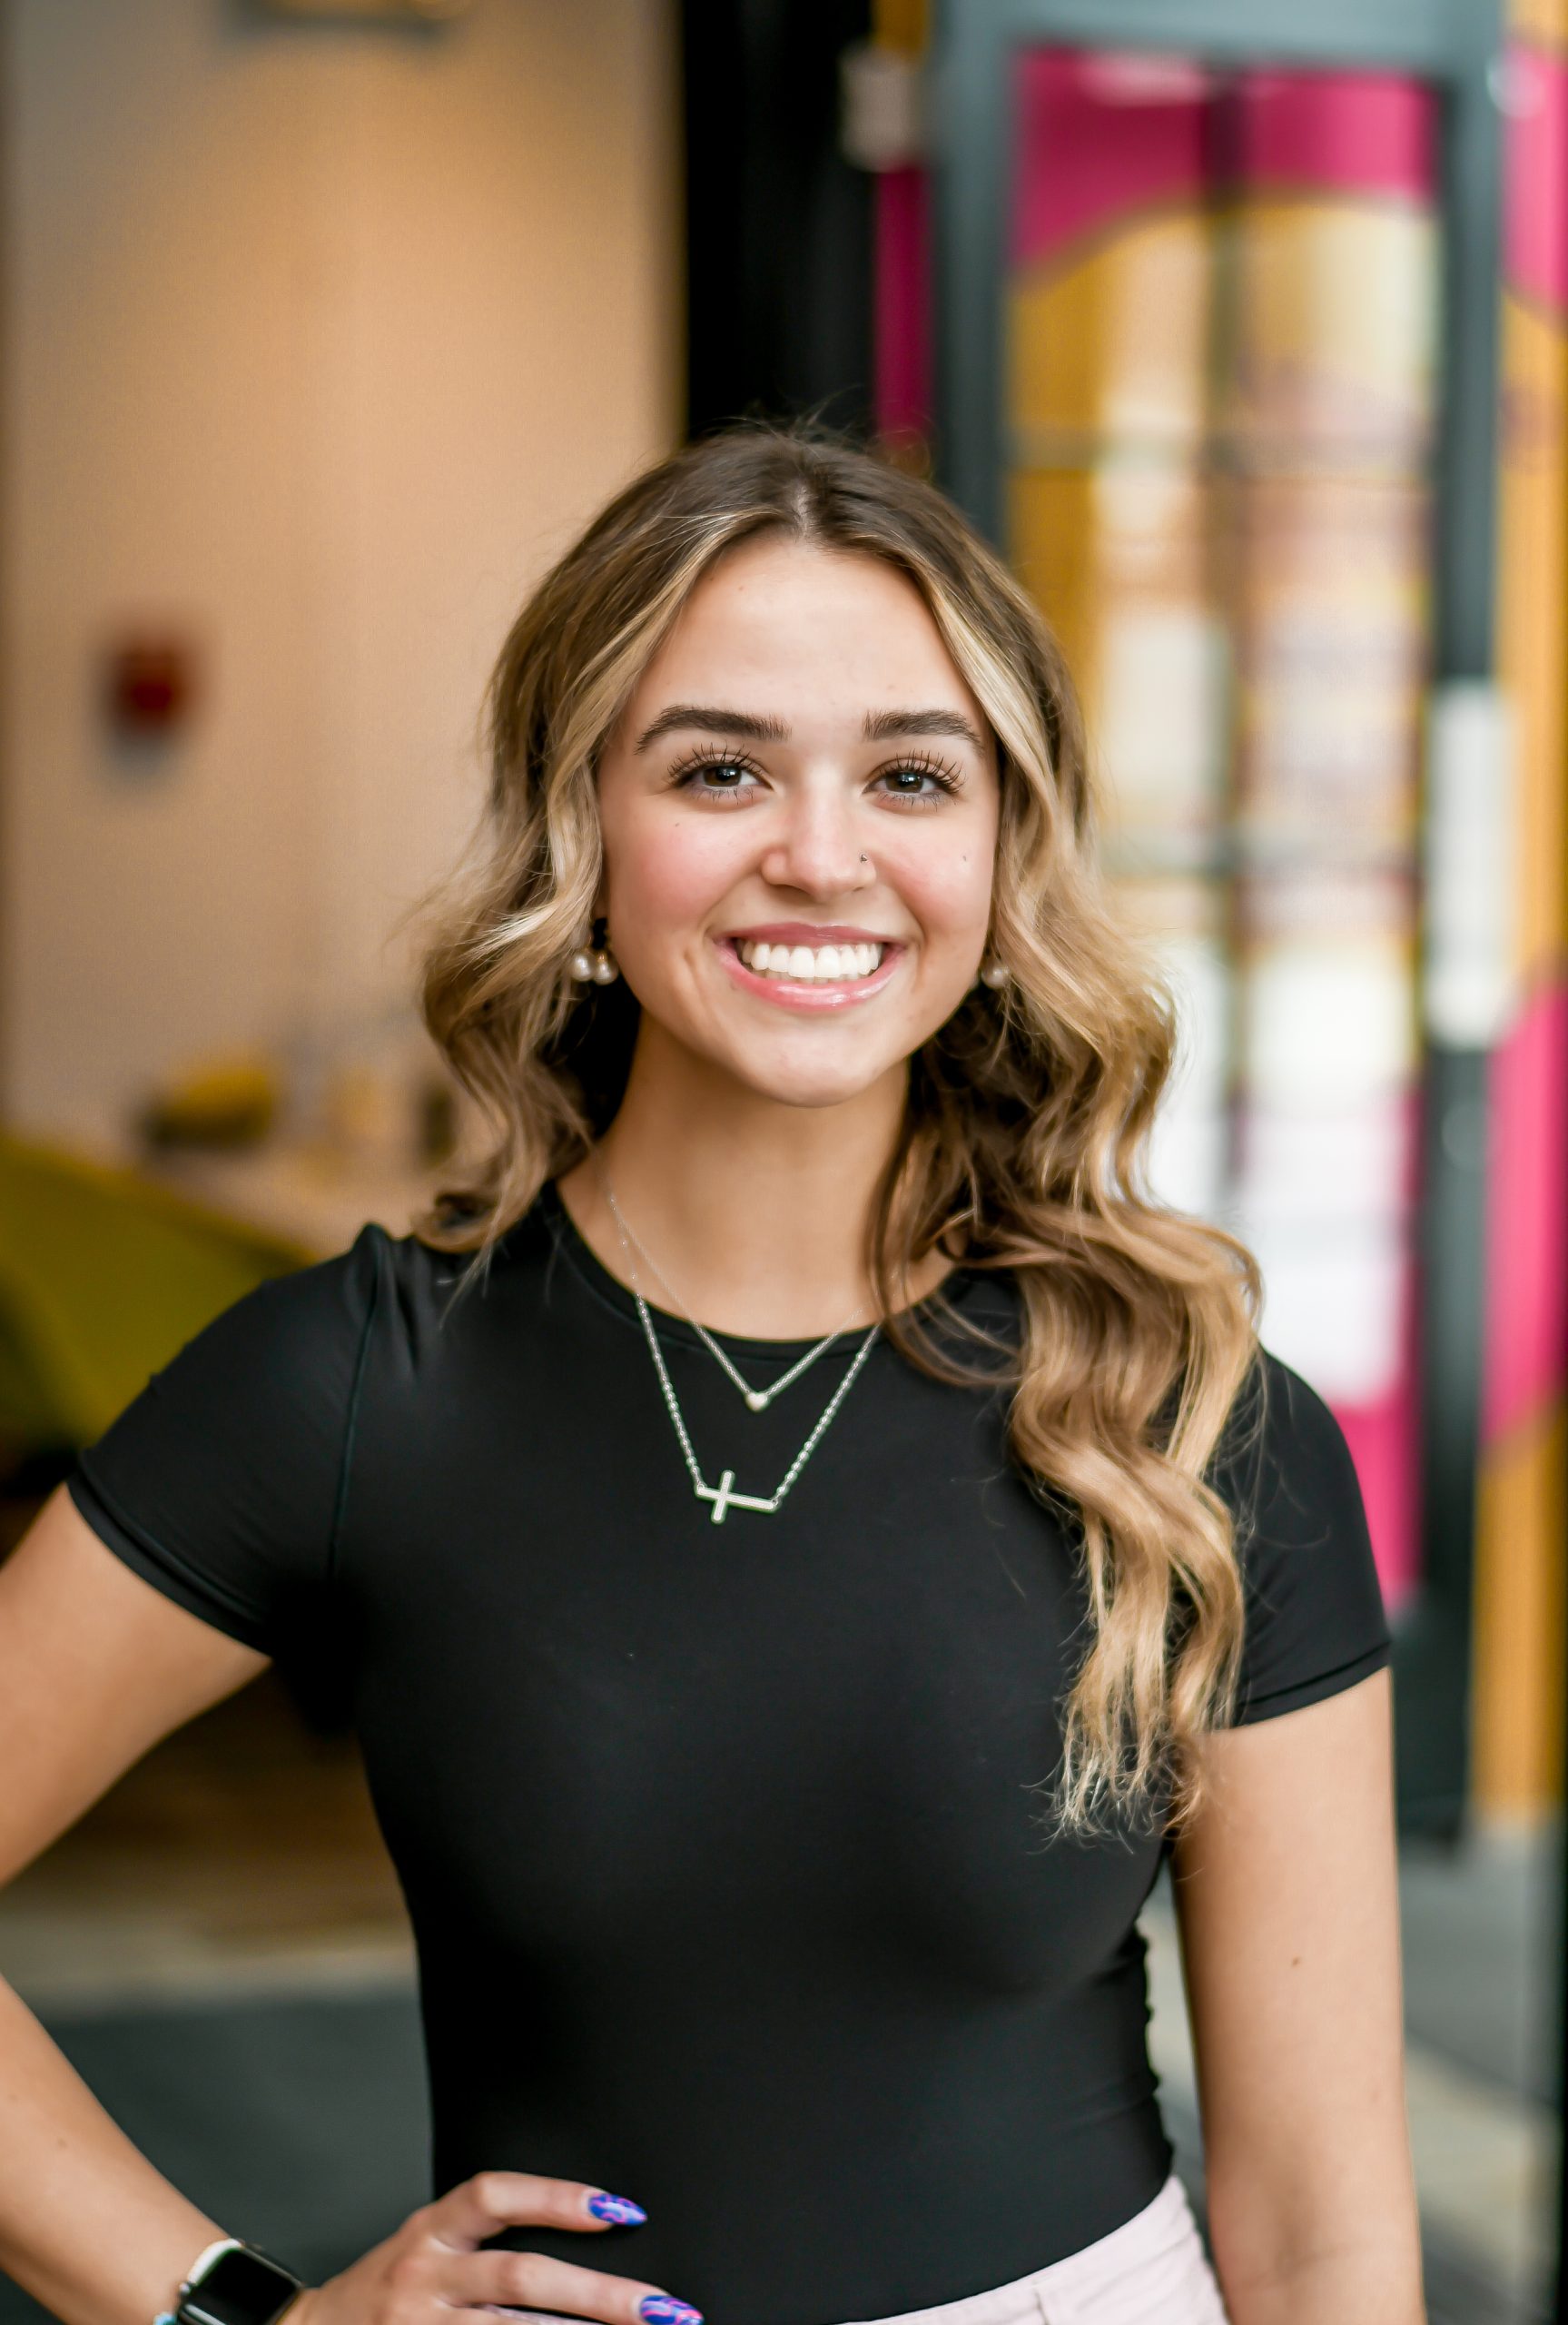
(1112, 338)
(229, 1101)
(104, 1277)
(899, 24)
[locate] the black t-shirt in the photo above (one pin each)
(723, 1844)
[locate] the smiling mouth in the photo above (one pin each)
(810, 964)
(811, 977)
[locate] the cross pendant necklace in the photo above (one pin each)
(724, 1497)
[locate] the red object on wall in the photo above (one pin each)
(149, 686)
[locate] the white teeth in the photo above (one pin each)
(824, 964)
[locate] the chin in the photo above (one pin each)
(817, 1083)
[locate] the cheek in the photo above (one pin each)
(667, 876)
(948, 890)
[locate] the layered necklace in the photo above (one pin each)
(723, 1496)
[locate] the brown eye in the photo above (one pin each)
(919, 785)
(714, 778)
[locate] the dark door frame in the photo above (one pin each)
(778, 223)
(1454, 45)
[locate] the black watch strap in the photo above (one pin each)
(240, 2285)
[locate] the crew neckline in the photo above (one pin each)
(586, 1263)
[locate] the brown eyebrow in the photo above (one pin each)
(879, 727)
(888, 726)
(712, 719)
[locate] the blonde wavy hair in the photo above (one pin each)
(1028, 1113)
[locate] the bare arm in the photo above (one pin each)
(1287, 1903)
(95, 1666)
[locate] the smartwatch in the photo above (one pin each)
(232, 2283)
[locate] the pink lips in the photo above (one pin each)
(789, 992)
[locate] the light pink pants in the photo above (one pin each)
(1152, 2270)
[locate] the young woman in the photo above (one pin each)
(802, 1532)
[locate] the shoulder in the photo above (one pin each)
(292, 1328)
(293, 1348)
(384, 1282)
(1315, 1618)
(1283, 1464)
(224, 1481)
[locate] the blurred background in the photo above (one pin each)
(1244, 328)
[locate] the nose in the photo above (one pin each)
(818, 848)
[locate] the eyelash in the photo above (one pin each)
(926, 763)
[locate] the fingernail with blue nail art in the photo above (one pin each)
(663, 2309)
(620, 2209)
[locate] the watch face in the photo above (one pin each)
(239, 2288)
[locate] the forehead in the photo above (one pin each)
(786, 627)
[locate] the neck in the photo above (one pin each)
(756, 1212)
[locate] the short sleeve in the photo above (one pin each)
(1315, 1621)
(220, 1481)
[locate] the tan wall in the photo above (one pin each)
(318, 342)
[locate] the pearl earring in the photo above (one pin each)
(594, 964)
(994, 974)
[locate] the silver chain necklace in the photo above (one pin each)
(757, 1400)
(724, 1495)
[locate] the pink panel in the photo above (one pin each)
(1382, 1440)
(1384, 1436)
(1368, 135)
(1535, 199)
(1097, 137)
(902, 329)
(1342, 132)
(1526, 1325)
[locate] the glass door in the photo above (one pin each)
(1215, 359)
(1221, 323)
